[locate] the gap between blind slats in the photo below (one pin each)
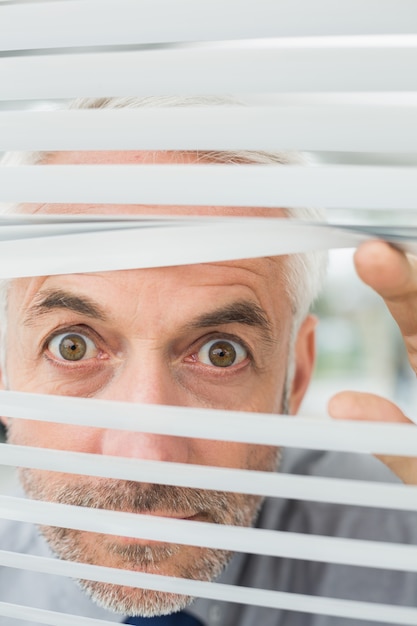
(326, 128)
(344, 186)
(238, 426)
(336, 550)
(381, 613)
(267, 484)
(63, 24)
(205, 69)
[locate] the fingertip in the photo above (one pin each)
(342, 405)
(356, 405)
(381, 266)
(372, 256)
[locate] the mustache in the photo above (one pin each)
(135, 497)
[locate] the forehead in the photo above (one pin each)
(262, 277)
(189, 288)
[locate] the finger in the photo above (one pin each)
(356, 405)
(368, 407)
(393, 275)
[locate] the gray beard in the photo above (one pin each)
(205, 564)
(213, 506)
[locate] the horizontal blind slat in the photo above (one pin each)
(52, 618)
(334, 186)
(325, 128)
(261, 428)
(380, 613)
(205, 69)
(162, 247)
(60, 24)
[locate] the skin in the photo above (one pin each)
(393, 275)
(151, 345)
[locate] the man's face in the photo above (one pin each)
(214, 335)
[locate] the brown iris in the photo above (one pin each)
(222, 354)
(72, 348)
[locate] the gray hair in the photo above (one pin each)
(304, 272)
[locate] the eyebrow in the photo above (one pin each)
(240, 312)
(51, 300)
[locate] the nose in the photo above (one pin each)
(147, 383)
(137, 445)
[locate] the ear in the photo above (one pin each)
(304, 358)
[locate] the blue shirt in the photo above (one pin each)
(175, 619)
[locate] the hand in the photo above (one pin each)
(393, 275)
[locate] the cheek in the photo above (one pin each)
(21, 367)
(240, 456)
(263, 458)
(54, 383)
(37, 375)
(56, 436)
(21, 432)
(248, 390)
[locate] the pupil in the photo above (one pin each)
(72, 348)
(222, 354)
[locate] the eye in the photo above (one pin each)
(72, 347)
(222, 353)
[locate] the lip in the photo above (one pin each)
(196, 517)
(173, 516)
(170, 515)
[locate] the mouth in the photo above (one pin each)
(196, 517)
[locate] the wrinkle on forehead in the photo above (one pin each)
(260, 277)
(243, 264)
(172, 210)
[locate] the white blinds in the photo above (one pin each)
(301, 124)
(149, 244)
(317, 76)
(207, 69)
(341, 491)
(62, 24)
(353, 187)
